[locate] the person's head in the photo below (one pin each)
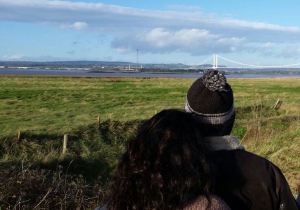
(164, 166)
(210, 99)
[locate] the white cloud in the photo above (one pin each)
(122, 50)
(108, 15)
(160, 37)
(259, 25)
(279, 50)
(193, 41)
(186, 30)
(13, 57)
(79, 25)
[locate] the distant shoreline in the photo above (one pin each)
(84, 73)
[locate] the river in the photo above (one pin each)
(85, 73)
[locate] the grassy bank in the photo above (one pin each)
(45, 108)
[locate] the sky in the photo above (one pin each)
(257, 32)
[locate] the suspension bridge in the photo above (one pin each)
(221, 62)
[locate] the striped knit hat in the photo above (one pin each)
(211, 98)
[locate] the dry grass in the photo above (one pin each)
(45, 189)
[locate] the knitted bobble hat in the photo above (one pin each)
(211, 98)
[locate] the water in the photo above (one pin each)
(85, 73)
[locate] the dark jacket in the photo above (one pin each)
(246, 181)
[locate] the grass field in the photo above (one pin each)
(45, 108)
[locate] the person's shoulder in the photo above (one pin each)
(243, 157)
(256, 161)
(254, 158)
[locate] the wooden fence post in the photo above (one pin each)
(277, 104)
(65, 142)
(98, 120)
(19, 136)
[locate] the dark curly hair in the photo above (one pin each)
(164, 166)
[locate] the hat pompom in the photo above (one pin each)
(214, 81)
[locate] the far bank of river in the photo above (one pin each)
(84, 73)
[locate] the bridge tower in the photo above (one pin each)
(215, 61)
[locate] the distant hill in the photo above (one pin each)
(104, 66)
(85, 64)
(61, 63)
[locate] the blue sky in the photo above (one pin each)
(260, 32)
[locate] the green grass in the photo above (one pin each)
(60, 104)
(45, 108)
(57, 105)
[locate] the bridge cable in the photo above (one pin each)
(256, 66)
